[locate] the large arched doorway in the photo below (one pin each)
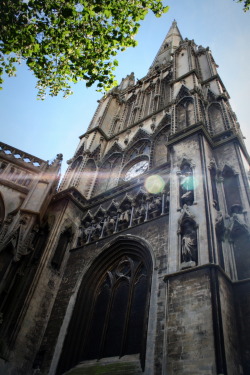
(111, 311)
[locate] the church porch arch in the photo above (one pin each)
(122, 250)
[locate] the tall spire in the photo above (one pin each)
(170, 43)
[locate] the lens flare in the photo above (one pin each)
(154, 184)
(189, 183)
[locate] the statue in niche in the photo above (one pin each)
(188, 244)
(86, 230)
(237, 217)
(140, 213)
(219, 226)
(154, 207)
(124, 218)
(109, 224)
(96, 230)
(186, 186)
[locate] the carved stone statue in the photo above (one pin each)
(154, 207)
(219, 226)
(110, 224)
(189, 244)
(96, 230)
(139, 214)
(237, 221)
(86, 231)
(124, 219)
(188, 247)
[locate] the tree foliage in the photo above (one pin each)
(246, 4)
(65, 41)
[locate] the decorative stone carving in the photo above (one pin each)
(96, 230)
(5, 227)
(116, 217)
(19, 239)
(154, 207)
(220, 226)
(140, 214)
(188, 239)
(237, 223)
(124, 218)
(189, 246)
(110, 224)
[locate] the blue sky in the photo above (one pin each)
(46, 128)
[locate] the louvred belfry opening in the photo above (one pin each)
(111, 310)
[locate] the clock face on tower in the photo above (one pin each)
(136, 170)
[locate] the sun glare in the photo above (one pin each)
(154, 184)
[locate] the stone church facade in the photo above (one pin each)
(139, 262)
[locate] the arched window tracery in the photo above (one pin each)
(89, 174)
(61, 248)
(147, 100)
(76, 163)
(108, 173)
(185, 113)
(160, 149)
(216, 118)
(128, 111)
(118, 292)
(141, 147)
(164, 93)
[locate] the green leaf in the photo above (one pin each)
(68, 41)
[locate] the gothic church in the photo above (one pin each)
(139, 262)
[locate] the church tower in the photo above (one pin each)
(146, 266)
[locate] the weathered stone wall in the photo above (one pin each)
(242, 303)
(42, 292)
(190, 339)
(229, 326)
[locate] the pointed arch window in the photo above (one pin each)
(116, 126)
(164, 93)
(61, 248)
(128, 110)
(110, 314)
(40, 243)
(107, 174)
(160, 146)
(89, 176)
(147, 103)
(142, 147)
(185, 113)
(76, 163)
(216, 118)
